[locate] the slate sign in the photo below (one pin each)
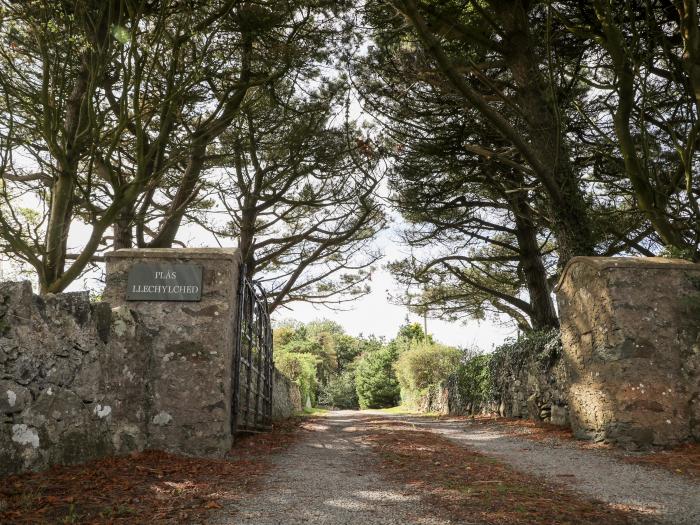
(164, 282)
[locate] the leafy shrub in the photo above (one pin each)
(375, 379)
(425, 364)
(340, 391)
(300, 368)
(474, 380)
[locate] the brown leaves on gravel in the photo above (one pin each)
(469, 487)
(683, 460)
(145, 487)
(527, 428)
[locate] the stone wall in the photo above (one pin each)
(55, 399)
(631, 339)
(528, 392)
(80, 380)
(286, 398)
(628, 370)
(526, 379)
(446, 398)
(436, 400)
(537, 393)
(530, 380)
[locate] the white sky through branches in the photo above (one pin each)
(371, 314)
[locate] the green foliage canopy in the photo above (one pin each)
(425, 364)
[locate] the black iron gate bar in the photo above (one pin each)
(252, 360)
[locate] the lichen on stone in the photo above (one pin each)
(162, 418)
(25, 435)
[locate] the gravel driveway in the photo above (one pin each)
(669, 498)
(326, 478)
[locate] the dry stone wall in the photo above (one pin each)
(55, 402)
(533, 392)
(526, 379)
(446, 398)
(529, 379)
(526, 391)
(286, 398)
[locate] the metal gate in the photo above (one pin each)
(252, 360)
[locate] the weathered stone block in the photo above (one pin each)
(630, 330)
(188, 363)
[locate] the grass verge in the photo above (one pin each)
(403, 410)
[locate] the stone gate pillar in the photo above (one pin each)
(631, 335)
(186, 300)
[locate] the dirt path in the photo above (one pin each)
(669, 498)
(324, 479)
(331, 477)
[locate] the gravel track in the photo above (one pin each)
(326, 477)
(323, 479)
(664, 496)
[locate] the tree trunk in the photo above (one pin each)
(185, 193)
(123, 230)
(247, 236)
(535, 96)
(68, 156)
(543, 314)
(60, 216)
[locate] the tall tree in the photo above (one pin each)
(109, 110)
(92, 98)
(641, 60)
(300, 195)
(496, 57)
(53, 60)
(264, 44)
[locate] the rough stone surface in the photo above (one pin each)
(189, 356)
(53, 351)
(286, 398)
(446, 398)
(80, 380)
(631, 336)
(527, 390)
(534, 390)
(437, 400)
